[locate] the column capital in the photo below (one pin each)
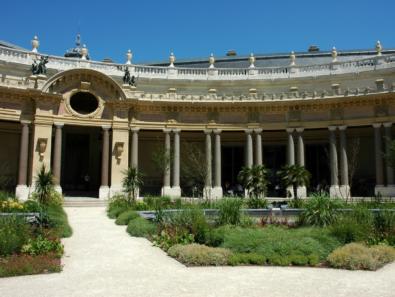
(176, 131)
(106, 127)
(342, 128)
(290, 130)
(332, 128)
(217, 131)
(248, 131)
(134, 129)
(387, 124)
(208, 131)
(166, 130)
(25, 122)
(58, 124)
(299, 130)
(258, 131)
(377, 125)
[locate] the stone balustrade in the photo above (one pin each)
(268, 73)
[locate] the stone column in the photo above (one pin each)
(57, 157)
(22, 190)
(104, 190)
(334, 188)
(290, 147)
(166, 189)
(344, 185)
(378, 159)
(217, 190)
(208, 182)
(249, 149)
(135, 148)
(258, 146)
(176, 190)
(301, 191)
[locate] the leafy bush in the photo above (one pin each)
(355, 256)
(246, 259)
(57, 219)
(196, 254)
(14, 232)
(384, 225)
(353, 226)
(31, 205)
(115, 211)
(256, 203)
(280, 245)
(117, 201)
(320, 210)
(125, 217)
(165, 240)
(11, 205)
(216, 236)
(41, 245)
(141, 227)
(229, 211)
(153, 202)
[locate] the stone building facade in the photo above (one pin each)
(331, 112)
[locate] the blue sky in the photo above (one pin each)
(151, 29)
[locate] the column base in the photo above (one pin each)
(385, 191)
(301, 192)
(171, 191)
(334, 192)
(22, 192)
(207, 192)
(344, 192)
(216, 193)
(58, 189)
(104, 192)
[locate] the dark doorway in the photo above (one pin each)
(317, 163)
(81, 162)
(274, 158)
(232, 162)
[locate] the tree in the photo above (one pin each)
(294, 176)
(44, 185)
(131, 182)
(254, 179)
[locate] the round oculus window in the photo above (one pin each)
(84, 102)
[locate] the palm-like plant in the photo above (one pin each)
(254, 179)
(294, 176)
(131, 182)
(44, 185)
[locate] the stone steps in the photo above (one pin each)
(84, 202)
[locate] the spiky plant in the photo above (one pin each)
(131, 182)
(294, 176)
(254, 180)
(44, 185)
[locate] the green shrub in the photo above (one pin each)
(276, 242)
(196, 254)
(256, 203)
(355, 256)
(153, 202)
(14, 232)
(116, 202)
(229, 211)
(125, 217)
(41, 245)
(216, 236)
(320, 210)
(165, 239)
(348, 228)
(246, 259)
(57, 219)
(384, 225)
(140, 227)
(116, 211)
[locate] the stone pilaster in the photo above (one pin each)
(134, 159)
(208, 181)
(119, 158)
(217, 190)
(249, 149)
(301, 190)
(258, 147)
(344, 185)
(104, 191)
(22, 190)
(176, 190)
(334, 188)
(166, 188)
(57, 156)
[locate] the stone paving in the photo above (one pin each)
(103, 260)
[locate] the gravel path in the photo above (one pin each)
(103, 260)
